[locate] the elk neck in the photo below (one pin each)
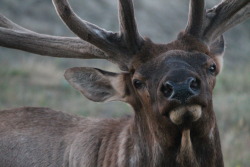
(156, 137)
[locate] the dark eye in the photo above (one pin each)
(212, 68)
(138, 84)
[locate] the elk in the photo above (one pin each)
(169, 87)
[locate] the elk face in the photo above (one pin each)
(178, 84)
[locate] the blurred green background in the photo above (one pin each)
(32, 80)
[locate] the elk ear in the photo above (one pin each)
(97, 85)
(217, 50)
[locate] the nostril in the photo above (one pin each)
(194, 84)
(167, 89)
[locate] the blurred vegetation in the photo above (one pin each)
(32, 80)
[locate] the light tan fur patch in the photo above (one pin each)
(186, 156)
(177, 114)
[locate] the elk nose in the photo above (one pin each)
(181, 90)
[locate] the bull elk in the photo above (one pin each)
(169, 86)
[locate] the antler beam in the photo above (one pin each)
(17, 37)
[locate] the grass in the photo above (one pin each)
(231, 103)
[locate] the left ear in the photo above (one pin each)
(97, 85)
(217, 50)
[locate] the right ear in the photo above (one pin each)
(97, 85)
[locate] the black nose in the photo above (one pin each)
(181, 90)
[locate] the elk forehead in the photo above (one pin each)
(187, 76)
(170, 61)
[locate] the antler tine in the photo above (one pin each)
(224, 16)
(6, 23)
(107, 41)
(128, 27)
(196, 17)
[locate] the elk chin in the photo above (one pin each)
(185, 114)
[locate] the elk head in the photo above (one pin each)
(171, 83)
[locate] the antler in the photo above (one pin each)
(196, 17)
(17, 37)
(225, 16)
(101, 38)
(93, 42)
(210, 25)
(128, 28)
(119, 48)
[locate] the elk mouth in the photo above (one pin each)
(185, 114)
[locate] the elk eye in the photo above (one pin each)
(212, 68)
(138, 84)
